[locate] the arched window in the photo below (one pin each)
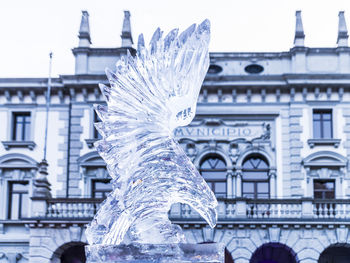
(96, 177)
(255, 177)
(213, 170)
(17, 170)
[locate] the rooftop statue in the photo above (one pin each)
(149, 96)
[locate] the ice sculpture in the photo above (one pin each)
(149, 96)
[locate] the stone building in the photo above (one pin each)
(270, 137)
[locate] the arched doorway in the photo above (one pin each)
(338, 253)
(72, 252)
(274, 253)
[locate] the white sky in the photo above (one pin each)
(29, 30)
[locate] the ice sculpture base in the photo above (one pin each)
(156, 253)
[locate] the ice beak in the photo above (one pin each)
(211, 216)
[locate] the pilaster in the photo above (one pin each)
(295, 144)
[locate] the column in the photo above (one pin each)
(239, 183)
(229, 185)
(234, 185)
(273, 186)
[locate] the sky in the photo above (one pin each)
(30, 29)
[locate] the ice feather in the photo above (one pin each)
(149, 96)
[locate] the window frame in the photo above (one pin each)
(24, 169)
(212, 182)
(24, 128)
(256, 181)
(10, 191)
(93, 189)
(95, 134)
(13, 109)
(324, 192)
(322, 112)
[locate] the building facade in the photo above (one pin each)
(270, 137)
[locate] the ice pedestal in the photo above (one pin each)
(156, 253)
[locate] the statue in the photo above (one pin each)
(149, 96)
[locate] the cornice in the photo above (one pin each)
(103, 51)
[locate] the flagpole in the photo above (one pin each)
(48, 96)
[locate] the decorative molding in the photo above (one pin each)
(91, 159)
(28, 161)
(97, 93)
(234, 95)
(205, 95)
(317, 93)
(20, 95)
(85, 94)
(219, 95)
(292, 94)
(249, 95)
(263, 95)
(341, 93)
(304, 93)
(328, 159)
(329, 93)
(72, 94)
(18, 144)
(60, 95)
(32, 96)
(7, 96)
(90, 142)
(278, 95)
(324, 142)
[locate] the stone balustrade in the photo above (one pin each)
(72, 207)
(331, 209)
(85, 208)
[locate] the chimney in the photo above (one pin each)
(126, 31)
(342, 40)
(84, 31)
(299, 31)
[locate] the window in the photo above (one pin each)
(254, 69)
(324, 189)
(18, 200)
(101, 188)
(322, 124)
(213, 170)
(255, 178)
(214, 69)
(96, 134)
(21, 126)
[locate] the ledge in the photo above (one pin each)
(323, 142)
(90, 142)
(19, 144)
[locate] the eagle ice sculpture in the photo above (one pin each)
(149, 96)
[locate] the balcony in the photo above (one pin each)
(234, 210)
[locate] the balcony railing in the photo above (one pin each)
(228, 209)
(72, 207)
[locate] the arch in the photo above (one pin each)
(207, 153)
(17, 160)
(62, 253)
(325, 158)
(274, 252)
(338, 253)
(91, 159)
(255, 151)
